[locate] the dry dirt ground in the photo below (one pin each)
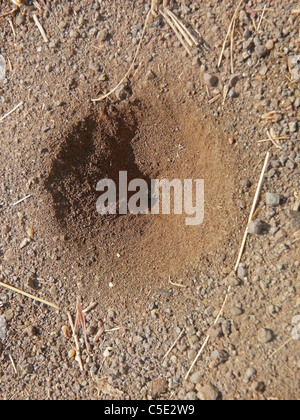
(176, 116)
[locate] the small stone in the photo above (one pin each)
(196, 62)
(293, 126)
(20, 19)
(94, 67)
(257, 227)
(215, 332)
(258, 387)
(208, 393)
(247, 33)
(232, 280)
(236, 311)
(71, 354)
(234, 80)
(150, 75)
(121, 93)
(137, 339)
(296, 73)
(290, 165)
(157, 387)
(74, 34)
(219, 357)
(196, 377)
(261, 51)
(249, 45)
(273, 200)
(264, 70)
(249, 374)
(191, 396)
(293, 61)
(270, 45)
(30, 232)
(265, 336)
(103, 36)
(24, 243)
(33, 283)
(29, 369)
(242, 272)
(107, 352)
(210, 80)
(31, 331)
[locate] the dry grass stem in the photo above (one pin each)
(261, 19)
(89, 308)
(176, 284)
(80, 315)
(21, 201)
(272, 139)
(215, 99)
(40, 28)
(229, 32)
(78, 355)
(256, 198)
(10, 112)
(14, 289)
(131, 66)
(173, 345)
(208, 337)
(177, 32)
(281, 347)
(185, 32)
(13, 364)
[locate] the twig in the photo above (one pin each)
(21, 201)
(78, 355)
(14, 289)
(260, 184)
(228, 33)
(131, 66)
(41, 29)
(10, 112)
(295, 11)
(173, 345)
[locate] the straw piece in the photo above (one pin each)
(78, 355)
(41, 29)
(10, 112)
(131, 66)
(253, 210)
(173, 345)
(229, 32)
(177, 32)
(14, 289)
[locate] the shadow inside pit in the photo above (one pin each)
(91, 152)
